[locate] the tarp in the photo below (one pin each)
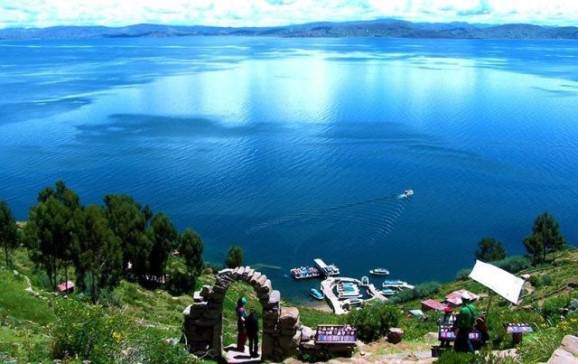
(498, 280)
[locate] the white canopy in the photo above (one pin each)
(498, 280)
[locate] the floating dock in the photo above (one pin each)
(327, 270)
(339, 306)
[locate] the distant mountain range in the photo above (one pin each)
(390, 28)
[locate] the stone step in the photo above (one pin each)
(232, 356)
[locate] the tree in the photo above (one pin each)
(8, 231)
(50, 230)
(185, 269)
(129, 221)
(163, 235)
(490, 250)
(234, 257)
(99, 252)
(191, 249)
(545, 238)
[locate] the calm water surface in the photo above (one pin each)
(296, 148)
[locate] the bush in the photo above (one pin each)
(463, 274)
(90, 332)
(86, 332)
(551, 309)
(420, 291)
(513, 264)
(374, 320)
(535, 281)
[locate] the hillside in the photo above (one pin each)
(389, 28)
(29, 327)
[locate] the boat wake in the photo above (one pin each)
(377, 216)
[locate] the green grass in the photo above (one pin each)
(18, 304)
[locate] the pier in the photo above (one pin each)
(338, 305)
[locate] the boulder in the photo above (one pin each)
(289, 317)
(307, 333)
(561, 356)
(395, 335)
(570, 344)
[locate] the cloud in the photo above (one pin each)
(42, 13)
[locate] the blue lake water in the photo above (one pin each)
(297, 148)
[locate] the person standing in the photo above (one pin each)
(465, 324)
(445, 323)
(252, 325)
(241, 329)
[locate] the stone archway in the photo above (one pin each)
(203, 320)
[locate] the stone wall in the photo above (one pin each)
(203, 320)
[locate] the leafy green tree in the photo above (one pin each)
(50, 230)
(545, 238)
(8, 231)
(163, 235)
(490, 250)
(129, 221)
(99, 252)
(185, 268)
(234, 257)
(191, 249)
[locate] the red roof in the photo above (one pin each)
(434, 305)
(65, 286)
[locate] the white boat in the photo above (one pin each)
(397, 284)
(379, 272)
(407, 193)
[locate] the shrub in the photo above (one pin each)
(546, 280)
(420, 291)
(463, 274)
(150, 346)
(374, 320)
(535, 281)
(86, 332)
(513, 264)
(551, 309)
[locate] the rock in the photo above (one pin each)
(307, 333)
(289, 317)
(274, 299)
(570, 344)
(395, 335)
(261, 281)
(206, 291)
(248, 273)
(561, 356)
(265, 288)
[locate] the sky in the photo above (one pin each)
(44, 13)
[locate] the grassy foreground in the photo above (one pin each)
(30, 319)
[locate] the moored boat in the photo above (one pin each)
(305, 272)
(379, 272)
(315, 293)
(388, 292)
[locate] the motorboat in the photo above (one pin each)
(379, 272)
(305, 272)
(388, 292)
(397, 284)
(315, 293)
(407, 193)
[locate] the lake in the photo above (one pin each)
(299, 148)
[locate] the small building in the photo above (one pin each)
(433, 305)
(65, 287)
